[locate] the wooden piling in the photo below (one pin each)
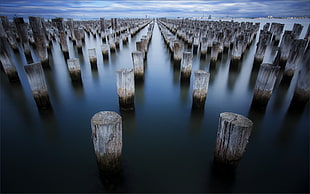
(11, 36)
(74, 69)
(307, 35)
(200, 89)
(214, 52)
(62, 36)
(125, 88)
(105, 51)
(265, 82)
(92, 57)
(107, 140)
(297, 29)
(36, 79)
(177, 52)
(5, 61)
(112, 43)
(296, 54)
(237, 49)
(38, 28)
(140, 47)
(264, 39)
(23, 35)
(138, 64)
(302, 89)
(186, 66)
(233, 134)
(203, 47)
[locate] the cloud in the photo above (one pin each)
(159, 8)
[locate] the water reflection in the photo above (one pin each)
(223, 178)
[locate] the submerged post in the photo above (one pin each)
(74, 69)
(36, 78)
(138, 64)
(186, 66)
(265, 82)
(233, 134)
(107, 140)
(125, 88)
(200, 89)
(92, 57)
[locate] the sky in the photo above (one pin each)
(159, 8)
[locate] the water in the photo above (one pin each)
(166, 146)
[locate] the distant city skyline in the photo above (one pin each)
(139, 8)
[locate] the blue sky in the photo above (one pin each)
(159, 8)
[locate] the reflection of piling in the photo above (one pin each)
(138, 64)
(74, 69)
(233, 134)
(105, 51)
(36, 78)
(302, 90)
(92, 57)
(265, 82)
(107, 139)
(296, 53)
(125, 88)
(186, 66)
(200, 89)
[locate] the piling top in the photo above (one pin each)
(236, 119)
(105, 118)
(201, 72)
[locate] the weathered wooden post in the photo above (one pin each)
(237, 49)
(11, 36)
(62, 36)
(112, 43)
(296, 54)
(125, 81)
(297, 29)
(40, 40)
(78, 39)
(139, 47)
(105, 51)
(177, 52)
(214, 52)
(138, 64)
(302, 90)
(23, 35)
(233, 134)
(203, 47)
(265, 82)
(186, 66)
(307, 35)
(285, 46)
(74, 69)
(107, 140)
(5, 61)
(264, 39)
(36, 78)
(92, 57)
(200, 89)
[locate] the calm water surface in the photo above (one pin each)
(166, 146)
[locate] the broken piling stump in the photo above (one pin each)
(125, 82)
(107, 140)
(23, 35)
(138, 64)
(177, 52)
(265, 82)
(200, 89)
(186, 66)
(92, 57)
(74, 69)
(105, 51)
(233, 134)
(36, 79)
